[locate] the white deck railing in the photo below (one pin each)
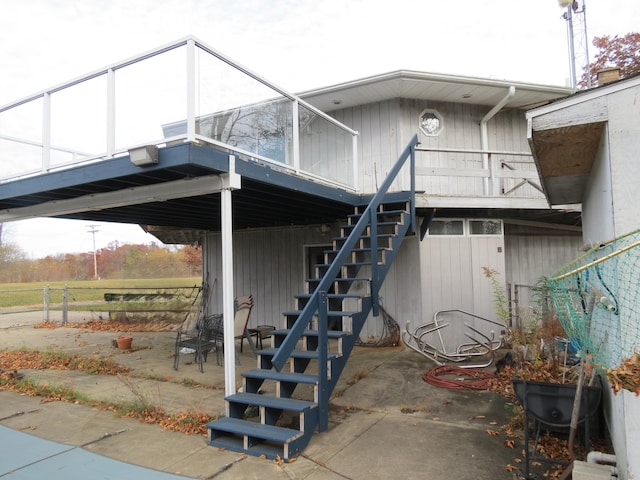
(477, 173)
(184, 91)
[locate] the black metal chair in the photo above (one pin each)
(200, 340)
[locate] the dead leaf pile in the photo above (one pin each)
(189, 423)
(626, 375)
(33, 360)
(117, 326)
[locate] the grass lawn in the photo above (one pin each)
(90, 291)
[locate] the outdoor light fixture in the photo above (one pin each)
(144, 156)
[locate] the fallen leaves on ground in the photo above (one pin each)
(34, 360)
(549, 446)
(117, 325)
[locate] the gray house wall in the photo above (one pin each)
(609, 197)
(610, 210)
(386, 127)
(597, 206)
(532, 253)
(270, 265)
(437, 273)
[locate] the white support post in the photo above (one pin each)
(231, 181)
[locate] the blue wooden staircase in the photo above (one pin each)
(314, 353)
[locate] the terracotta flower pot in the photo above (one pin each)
(124, 343)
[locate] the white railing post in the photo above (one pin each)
(191, 90)
(494, 189)
(46, 132)
(356, 166)
(111, 112)
(295, 124)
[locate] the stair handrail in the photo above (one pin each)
(369, 216)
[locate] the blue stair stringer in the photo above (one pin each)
(362, 255)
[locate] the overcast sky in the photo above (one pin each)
(296, 44)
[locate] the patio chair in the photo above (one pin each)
(243, 306)
(199, 337)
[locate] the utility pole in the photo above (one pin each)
(93, 230)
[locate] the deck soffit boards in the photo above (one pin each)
(564, 157)
(565, 137)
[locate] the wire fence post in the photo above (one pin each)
(46, 296)
(65, 304)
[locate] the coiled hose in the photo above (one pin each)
(464, 378)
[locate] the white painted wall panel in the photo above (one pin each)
(269, 264)
(623, 134)
(530, 255)
(598, 203)
(452, 278)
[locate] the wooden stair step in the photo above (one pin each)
(330, 313)
(269, 401)
(307, 354)
(314, 333)
(350, 279)
(252, 429)
(289, 377)
(331, 296)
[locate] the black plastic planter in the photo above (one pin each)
(552, 404)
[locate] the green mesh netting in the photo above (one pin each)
(597, 298)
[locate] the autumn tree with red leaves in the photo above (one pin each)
(622, 52)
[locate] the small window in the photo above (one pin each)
(430, 122)
(446, 227)
(485, 227)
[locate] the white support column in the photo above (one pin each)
(231, 181)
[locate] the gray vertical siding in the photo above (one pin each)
(386, 127)
(268, 264)
(452, 278)
(532, 254)
(437, 273)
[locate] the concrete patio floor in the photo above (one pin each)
(385, 421)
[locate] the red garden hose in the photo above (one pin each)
(456, 378)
